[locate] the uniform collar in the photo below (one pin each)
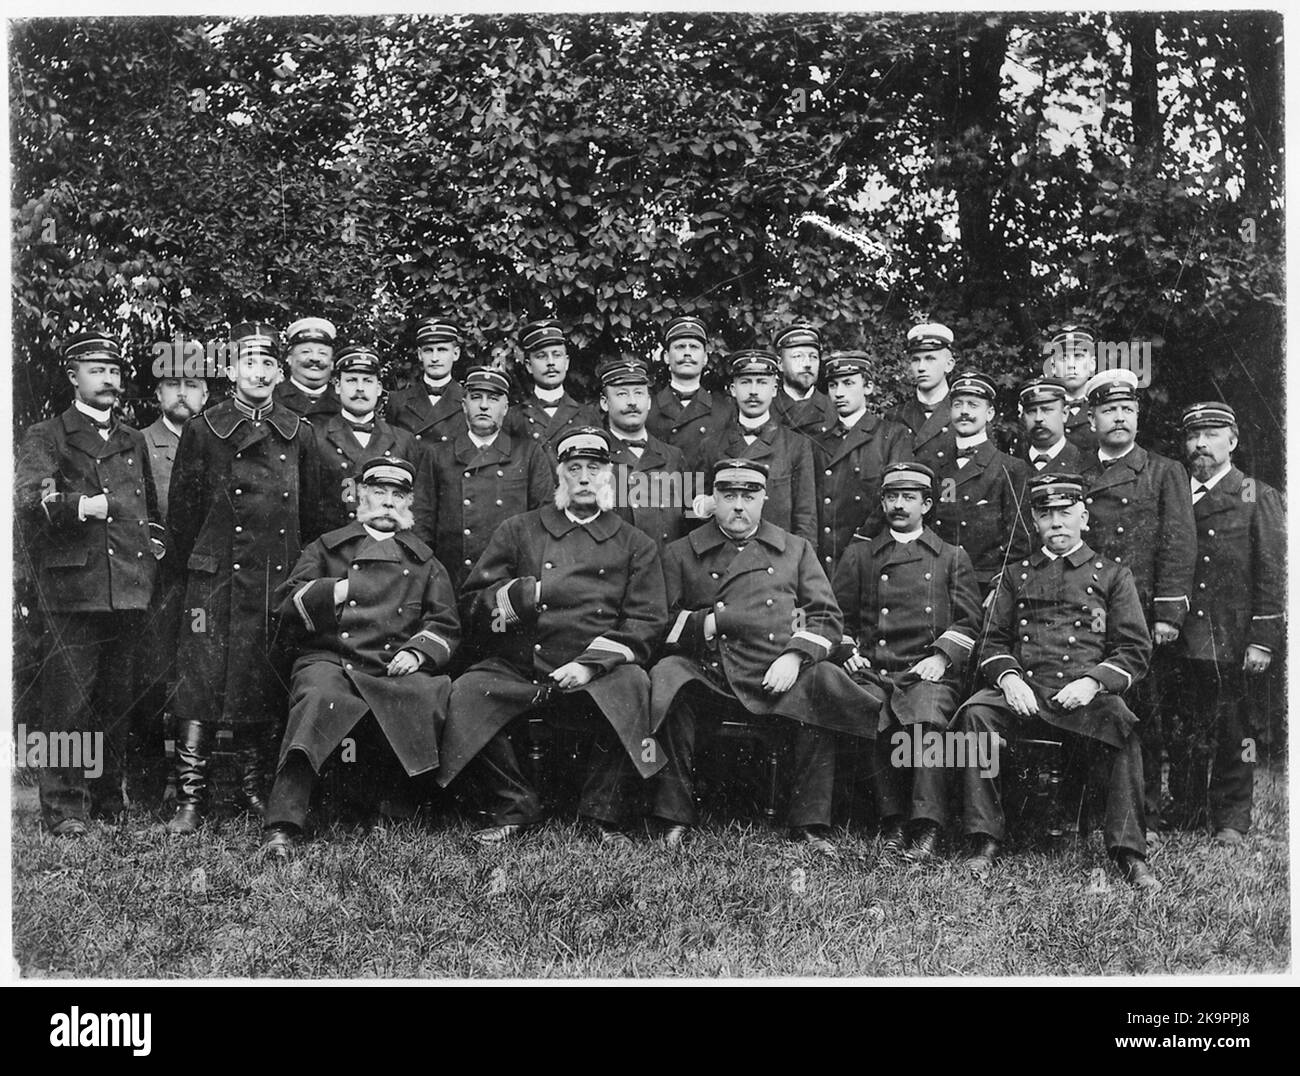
(1077, 556)
(315, 394)
(710, 536)
(753, 426)
(603, 525)
(1214, 479)
(549, 397)
(93, 412)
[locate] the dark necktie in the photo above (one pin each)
(1106, 465)
(684, 398)
(1040, 460)
(1199, 492)
(362, 427)
(107, 424)
(967, 453)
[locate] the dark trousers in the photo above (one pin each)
(87, 686)
(1119, 769)
(811, 782)
(610, 785)
(1149, 701)
(372, 779)
(1211, 745)
(909, 792)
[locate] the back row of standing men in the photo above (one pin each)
(253, 482)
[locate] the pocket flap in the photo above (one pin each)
(67, 557)
(202, 562)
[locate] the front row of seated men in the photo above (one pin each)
(567, 608)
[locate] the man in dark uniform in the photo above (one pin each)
(1044, 445)
(310, 359)
(851, 457)
(981, 489)
(753, 434)
(245, 495)
(1065, 638)
(911, 614)
(432, 408)
(355, 434)
(547, 411)
(570, 601)
(800, 405)
(377, 620)
(684, 413)
(1235, 627)
(926, 413)
(1140, 515)
(468, 486)
(652, 486)
(1072, 357)
(753, 620)
(84, 491)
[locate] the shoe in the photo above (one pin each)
(1228, 836)
(252, 777)
(984, 853)
(1153, 837)
(924, 846)
(193, 755)
(185, 821)
(72, 828)
(279, 845)
(1136, 872)
(891, 836)
(815, 841)
(611, 835)
(675, 835)
(496, 834)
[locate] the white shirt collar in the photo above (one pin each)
(849, 421)
(643, 438)
(482, 442)
(357, 420)
(971, 442)
(378, 536)
(682, 387)
(310, 392)
(171, 426)
(903, 539)
(549, 396)
(1050, 453)
(785, 387)
(581, 522)
(1069, 552)
(436, 388)
(93, 412)
(930, 405)
(1101, 455)
(754, 424)
(1214, 479)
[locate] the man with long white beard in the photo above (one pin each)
(377, 618)
(568, 601)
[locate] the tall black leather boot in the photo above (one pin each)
(193, 757)
(251, 748)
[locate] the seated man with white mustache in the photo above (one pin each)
(568, 601)
(377, 619)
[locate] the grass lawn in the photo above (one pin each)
(739, 900)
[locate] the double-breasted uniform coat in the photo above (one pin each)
(980, 507)
(304, 404)
(653, 489)
(245, 495)
(686, 425)
(934, 440)
(529, 419)
(431, 423)
(902, 602)
(791, 482)
(399, 598)
(463, 493)
(1238, 599)
(812, 417)
(95, 578)
(1069, 460)
(1054, 620)
(849, 464)
(341, 457)
(601, 603)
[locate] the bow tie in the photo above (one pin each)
(642, 443)
(967, 453)
(361, 427)
(107, 424)
(1106, 465)
(684, 397)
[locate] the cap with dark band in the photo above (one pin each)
(357, 359)
(1111, 386)
(488, 379)
(685, 327)
(752, 361)
(745, 475)
(388, 470)
(973, 383)
(622, 372)
(436, 330)
(1041, 390)
(310, 331)
(542, 333)
(1209, 413)
(1055, 490)
(800, 334)
(928, 337)
(843, 363)
(92, 345)
(255, 338)
(586, 442)
(907, 474)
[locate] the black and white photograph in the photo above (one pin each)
(691, 495)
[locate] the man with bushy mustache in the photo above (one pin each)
(307, 390)
(568, 601)
(376, 619)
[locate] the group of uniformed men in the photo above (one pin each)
(415, 581)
